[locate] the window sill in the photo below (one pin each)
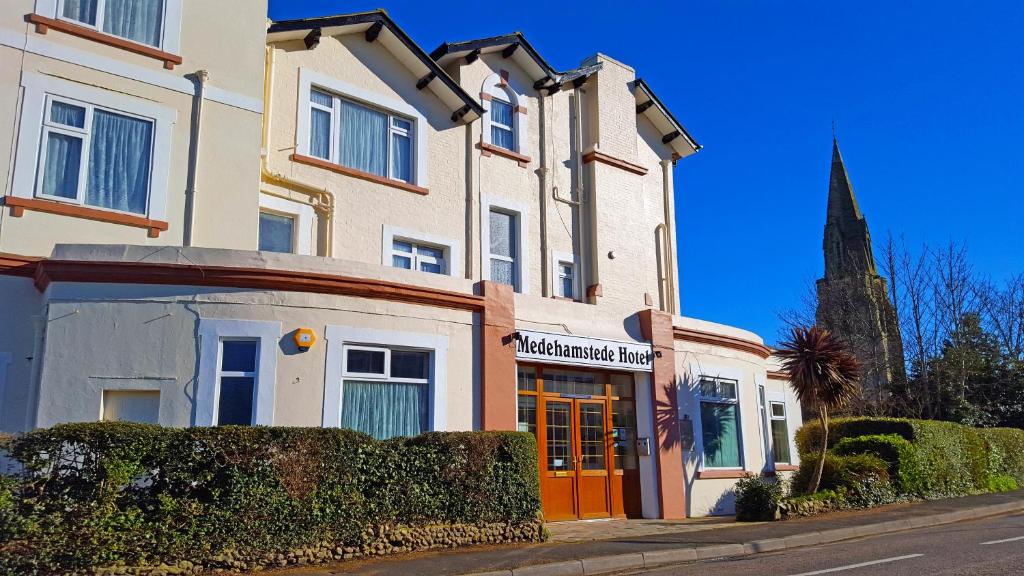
(18, 206)
(595, 156)
(720, 474)
(320, 163)
(44, 24)
(488, 149)
(786, 468)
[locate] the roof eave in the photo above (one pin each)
(692, 144)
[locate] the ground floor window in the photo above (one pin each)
(237, 372)
(237, 382)
(720, 424)
(780, 433)
(385, 391)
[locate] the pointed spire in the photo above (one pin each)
(847, 242)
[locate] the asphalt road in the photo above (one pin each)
(989, 547)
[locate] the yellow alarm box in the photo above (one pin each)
(305, 338)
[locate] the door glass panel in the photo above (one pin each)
(624, 434)
(592, 436)
(572, 383)
(559, 435)
(527, 414)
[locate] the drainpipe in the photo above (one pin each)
(200, 78)
(322, 199)
(671, 271)
(545, 289)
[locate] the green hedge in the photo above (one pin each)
(839, 471)
(953, 459)
(897, 452)
(116, 493)
(1005, 451)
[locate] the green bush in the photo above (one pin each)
(1001, 483)
(1005, 451)
(757, 498)
(952, 457)
(99, 494)
(897, 452)
(840, 472)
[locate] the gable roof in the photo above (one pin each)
(674, 135)
(377, 26)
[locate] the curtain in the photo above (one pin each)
(780, 441)
(384, 409)
(119, 159)
(502, 234)
(63, 161)
(501, 113)
(81, 10)
(364, 139)
(720, 434)
(320, 134)
(138, 20)
(401, 157)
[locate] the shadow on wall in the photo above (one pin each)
(725, 505)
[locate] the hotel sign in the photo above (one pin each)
(581, 351)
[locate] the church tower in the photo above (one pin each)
(853, 300)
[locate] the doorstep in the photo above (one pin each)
(691, 540)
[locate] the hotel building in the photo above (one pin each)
(210, 219)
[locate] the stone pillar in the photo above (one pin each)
(656, 326)
(497, 358)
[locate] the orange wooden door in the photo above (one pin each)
(558, 460)
(593, 458)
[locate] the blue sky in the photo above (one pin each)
(928, 97)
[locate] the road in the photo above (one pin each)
(989, 547)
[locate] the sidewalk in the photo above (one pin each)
(584, 548)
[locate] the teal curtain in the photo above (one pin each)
(138, 20)
(364, 139)
(721, 435)
(384, 409)
(119, 162)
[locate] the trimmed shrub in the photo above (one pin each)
(1005, 452)
(952, 457)
(757, 499)
(232, 497)
(840, 472)
(897, 452)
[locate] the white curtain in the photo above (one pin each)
(138, 20)
(364, 139)
(501, 113)
(81, 10)
(320, 125)
(401, 157)
(119, 162)
(384, 409)
(63, 152)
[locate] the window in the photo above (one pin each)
(237, 382)
(386, 391)
(567, 280)
(141, 406)
(413, 256)
(504, 248)
(277, 232)
(94, 156)
(502, 133)
(780, 433)
(140, 21)
(719, 417)
(359, 137)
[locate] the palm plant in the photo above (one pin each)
(823, 373)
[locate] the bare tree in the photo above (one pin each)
(1003, 313)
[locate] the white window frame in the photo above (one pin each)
(522, 214)
(702, 371)
(452, 248)
(39, 90)
(496, 88)
(310, 80)
(212, 332)
(559, 259)
(790, 408)
(170, 33)
(301, 213)
(342, 338)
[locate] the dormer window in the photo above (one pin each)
(502, 122)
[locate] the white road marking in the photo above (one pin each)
(861, 565)
(1003, 541)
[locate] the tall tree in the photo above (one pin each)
(823, 373)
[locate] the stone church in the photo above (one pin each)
(853, 300)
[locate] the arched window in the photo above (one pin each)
(503, 117)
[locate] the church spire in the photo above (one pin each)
(847, 242)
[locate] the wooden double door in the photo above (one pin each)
(585, 423)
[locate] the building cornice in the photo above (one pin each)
(731, 342)
(775, 375)
(18, 265)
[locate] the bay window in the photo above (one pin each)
(359, 137)
(385, 391)
(720, 423)
(140, 21)
(94, 156)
